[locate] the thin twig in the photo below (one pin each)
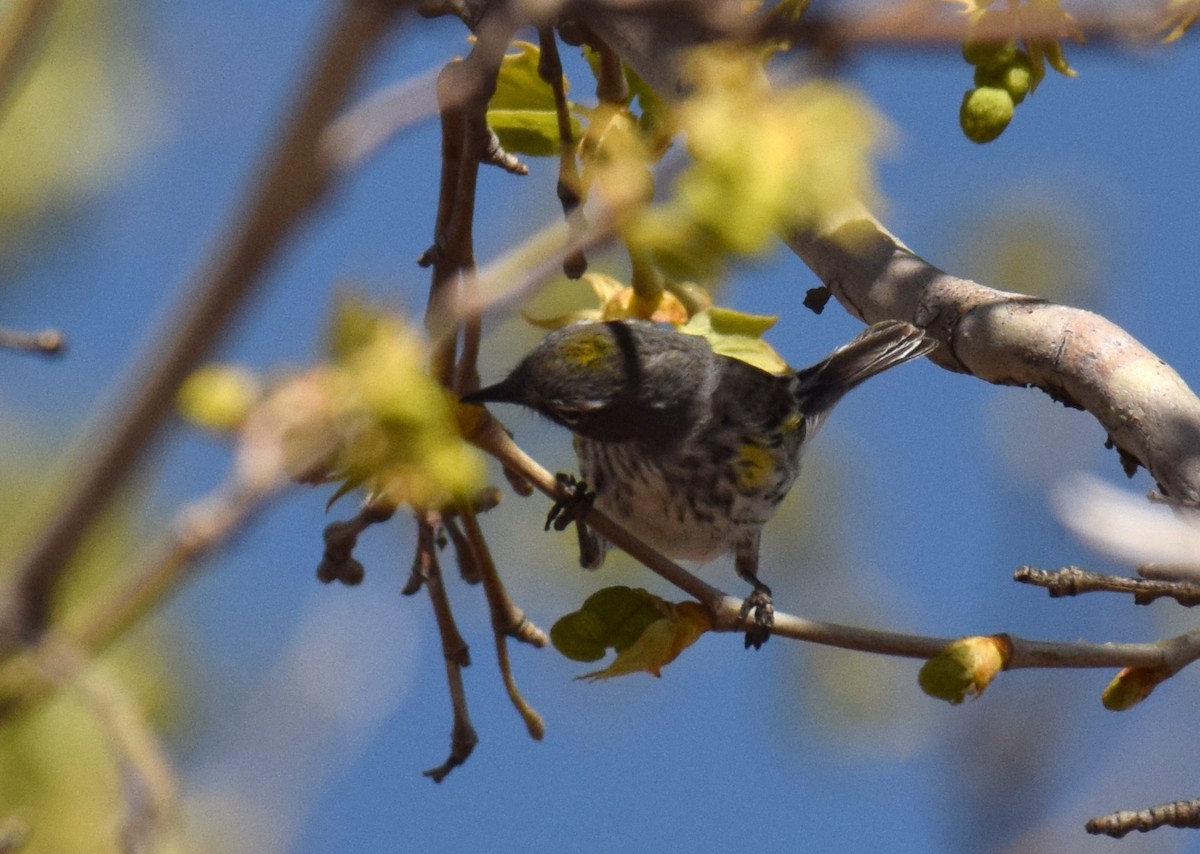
(569, 188)
(1174, 814)
(463, 737)
(1075, 581)
(294, 178)
(47, 342)
(464, 89)
(508, 620)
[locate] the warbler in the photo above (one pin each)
(690, 450)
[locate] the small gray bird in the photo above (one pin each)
(690, 450)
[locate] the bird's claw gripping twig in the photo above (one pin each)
(759, 602)
(577, 500)
(574, 506)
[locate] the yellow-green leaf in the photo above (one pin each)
(659, 644)
(646, 632)
(522, 111)
(738, 336)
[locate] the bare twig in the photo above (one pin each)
(1174, 814)
(507, 620)
(47, 342)
(569, 188)
(464, 89)
(294, 177)
(1074, 581)
(454, 649)
(338, 562)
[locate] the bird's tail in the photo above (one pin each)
(879, 347)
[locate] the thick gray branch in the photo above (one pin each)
(1077, 357)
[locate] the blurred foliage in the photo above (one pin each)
(370, 417)
(396, 427)
(763, 160)
(58, 770)
(219, 397)
(82, 106)
(1033, 241)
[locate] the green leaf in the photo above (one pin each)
(530, 132)
(647, 632)
(738, 336)
(522, 110)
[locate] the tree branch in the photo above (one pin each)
(1075, 356)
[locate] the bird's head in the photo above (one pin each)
(613, 382)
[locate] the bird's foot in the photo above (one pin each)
(577, 500)
(574, 507)
(759, 602)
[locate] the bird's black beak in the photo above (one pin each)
(501, 392)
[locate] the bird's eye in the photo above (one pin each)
(570, 417)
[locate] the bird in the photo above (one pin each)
(690, 450)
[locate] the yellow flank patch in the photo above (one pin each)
(585, 352)
(754, 466)
(792, 424)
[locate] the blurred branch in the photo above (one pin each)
(48, 342)
(25, 22)
(164, 565)
(922, 25)
(293, 178)
(151, 793)
(364, 129)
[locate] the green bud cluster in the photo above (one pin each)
(1003, 77)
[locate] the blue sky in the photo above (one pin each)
(316, 708)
